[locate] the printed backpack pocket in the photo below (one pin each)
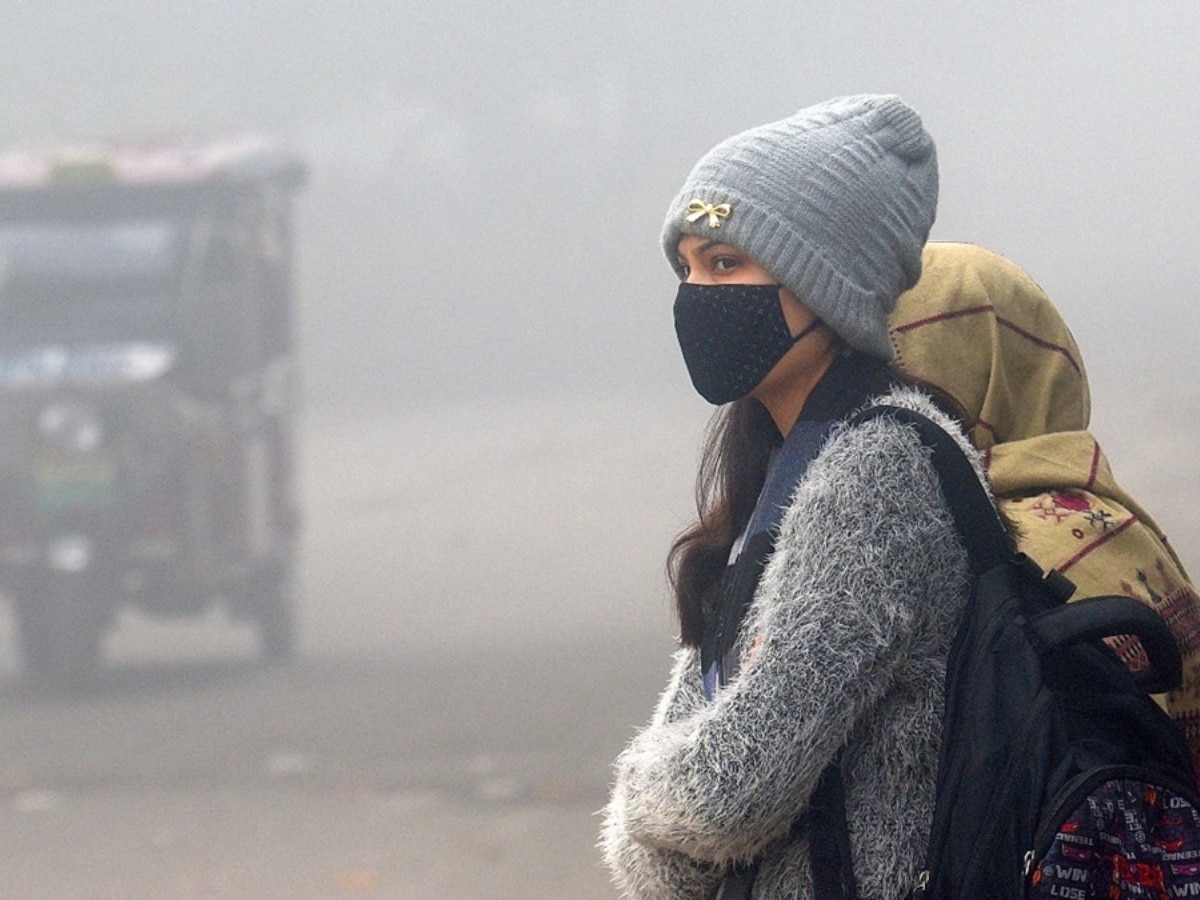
(1125, 838)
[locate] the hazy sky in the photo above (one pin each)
(489, 179)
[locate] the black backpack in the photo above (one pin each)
(1059, 776)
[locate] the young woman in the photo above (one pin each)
(820, 586)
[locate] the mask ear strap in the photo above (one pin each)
(807, 329)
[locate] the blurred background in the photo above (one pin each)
(498, 437)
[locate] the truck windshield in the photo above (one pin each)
(96, 281)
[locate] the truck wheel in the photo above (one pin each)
(272, 607)
(60, 630)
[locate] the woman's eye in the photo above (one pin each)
(724, 264)
(684, 270)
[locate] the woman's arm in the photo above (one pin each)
(642, 872)
(639, 870)
(866, 539)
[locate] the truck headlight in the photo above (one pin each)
(70, 553)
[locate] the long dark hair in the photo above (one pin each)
(733, 468)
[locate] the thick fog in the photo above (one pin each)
(499, 436)
(488, 180)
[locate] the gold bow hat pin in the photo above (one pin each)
(715, 213)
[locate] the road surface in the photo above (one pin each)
(484, 622)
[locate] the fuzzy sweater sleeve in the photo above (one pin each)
(838, 609)
(639, 869)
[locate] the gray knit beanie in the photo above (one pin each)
(836, 202)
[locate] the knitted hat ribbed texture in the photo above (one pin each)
(835, 201)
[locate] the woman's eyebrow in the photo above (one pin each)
(707, 245)
(702, 249)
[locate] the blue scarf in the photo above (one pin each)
(848, 384)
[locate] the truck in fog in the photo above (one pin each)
(147, 392)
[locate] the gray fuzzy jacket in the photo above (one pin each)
(846, 644)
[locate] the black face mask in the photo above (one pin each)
(731, 336)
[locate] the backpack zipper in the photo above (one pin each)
(922, 883)
(1007, 781)
(999, 618)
